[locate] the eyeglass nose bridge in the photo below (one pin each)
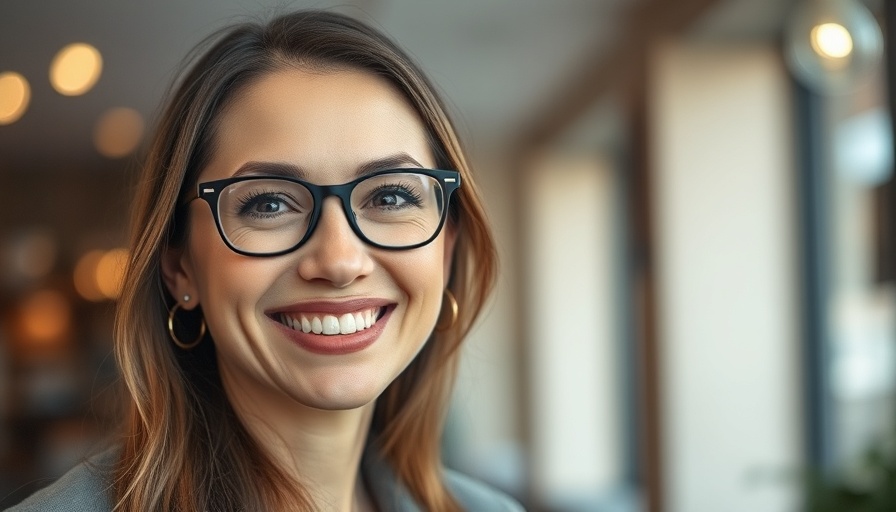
(344, 193)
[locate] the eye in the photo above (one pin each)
(264, 205)
(395, 196)
(267, 205)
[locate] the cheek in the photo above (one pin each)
(421, 275)
(231, 291)
(229, 285)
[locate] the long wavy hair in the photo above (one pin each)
(183, 447)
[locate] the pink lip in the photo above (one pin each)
(338, 344)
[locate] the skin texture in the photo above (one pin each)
(312, 411)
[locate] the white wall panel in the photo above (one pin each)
(573, 365)
(725, 220)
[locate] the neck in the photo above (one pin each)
(319, 449)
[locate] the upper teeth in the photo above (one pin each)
(331, 324)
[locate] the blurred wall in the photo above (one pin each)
(726, 226)
(570, 315)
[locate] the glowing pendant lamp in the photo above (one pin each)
(831, 46)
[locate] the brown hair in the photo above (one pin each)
(182, 446)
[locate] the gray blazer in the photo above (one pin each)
(83, 489)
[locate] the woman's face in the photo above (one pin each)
(331, 125)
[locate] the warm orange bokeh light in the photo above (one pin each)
(76, 69)
(15, 94)
(45, 317)
(110, 272)
(85, 276)
(98, 274)
(118, 132)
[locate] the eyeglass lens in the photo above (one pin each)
(270, 215)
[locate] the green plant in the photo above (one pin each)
(869, 485)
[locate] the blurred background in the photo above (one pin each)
(694, 202)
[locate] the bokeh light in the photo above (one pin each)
(85, 276)
(76, 69)
(118, 132)
(45, 316)
(832, 47)
(15, 94)
(98, 274)
(110, 271)
(34, 255)
(831, 40)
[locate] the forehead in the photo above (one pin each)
(328, 122)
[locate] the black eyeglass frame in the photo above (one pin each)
(210, 192)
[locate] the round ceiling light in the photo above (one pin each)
(832, 45)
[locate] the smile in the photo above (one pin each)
(331, 325)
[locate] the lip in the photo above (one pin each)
(332, 307)
(338, 344)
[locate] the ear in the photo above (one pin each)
(178, 276)
(450, 233)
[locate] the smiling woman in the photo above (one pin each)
(289, 341)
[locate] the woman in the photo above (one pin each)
(309, 250)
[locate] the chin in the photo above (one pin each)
(338, 405)
(342, 396)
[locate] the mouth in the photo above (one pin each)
(327, 324)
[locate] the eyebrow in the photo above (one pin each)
(286, 170)
(270, 169)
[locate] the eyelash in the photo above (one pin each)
(412, 197)
(251, 197)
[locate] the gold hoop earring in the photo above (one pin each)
(454, 311)
(175, 339)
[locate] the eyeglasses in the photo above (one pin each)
(270, 216)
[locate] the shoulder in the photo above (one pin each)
(389, 493)
(475, 495)
(83, 489)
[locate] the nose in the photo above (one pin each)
(334, 253)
